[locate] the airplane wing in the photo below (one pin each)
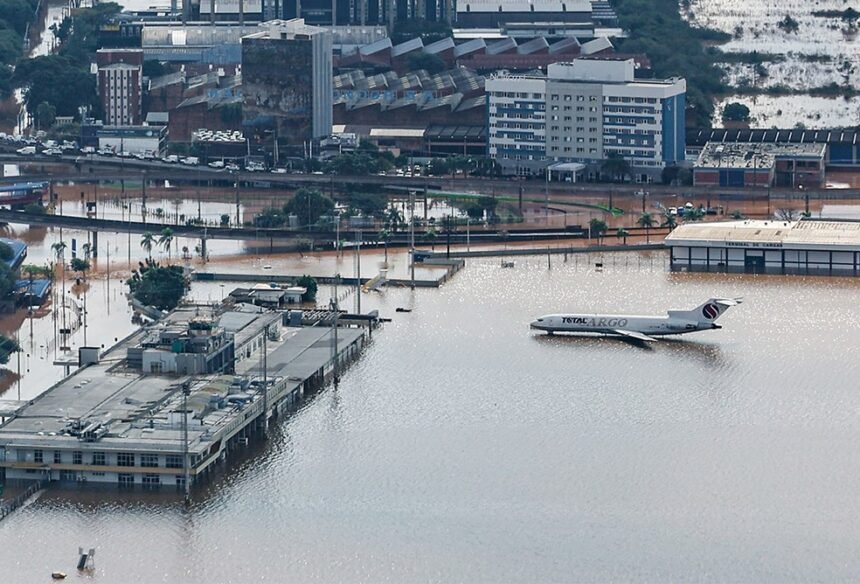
(633, 335)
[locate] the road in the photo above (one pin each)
(99, 168)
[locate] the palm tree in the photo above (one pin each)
(669, 221)
(393, 218)
(385, 236)
(622, 233)
(597, 227)
(166, 240)
(646, 220)
(147, 242)
(87, 249)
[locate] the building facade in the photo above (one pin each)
(517, 125)
(594, 109)
(287, 81)
(120, 82)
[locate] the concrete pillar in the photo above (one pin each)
(94, 252)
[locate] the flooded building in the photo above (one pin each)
(760, 165)
(774, 247)
(173, 399)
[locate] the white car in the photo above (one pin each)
(232, 167)
(278, 171)
(216, 164)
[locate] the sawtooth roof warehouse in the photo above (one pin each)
(775, 247)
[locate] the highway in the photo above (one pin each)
(99, 168)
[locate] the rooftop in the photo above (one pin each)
(756, 155)
(804, 234)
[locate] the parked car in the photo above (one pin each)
(190, 161)
(216, 164)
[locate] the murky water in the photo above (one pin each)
(822, 51)
(463, 447)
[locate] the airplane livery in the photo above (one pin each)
(642, 328)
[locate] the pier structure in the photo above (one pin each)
(176, 398)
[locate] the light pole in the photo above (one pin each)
(186, 462)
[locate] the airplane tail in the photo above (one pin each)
(708, 312)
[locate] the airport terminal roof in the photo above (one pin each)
(804, 234)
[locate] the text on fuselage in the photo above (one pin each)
(594, 322)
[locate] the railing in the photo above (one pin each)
(7, 507)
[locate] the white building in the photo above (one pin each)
(516, 122)
(780, 247)
(594, 109)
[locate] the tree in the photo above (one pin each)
(737, 215)
(225, 220)
(597, 227)
(269, 219)
(385, 236)
(147, 242)
(159, 286)
(786, 214)
(310, 285)
(622, 233)
(153, 68)
(736, 112)
(80, 265)
(309, 205)
(6, 253)
(646, 220)
(7, 347)
(615, 166)
(370, 204)
(430, 234)
(394, 219)
(46, 113)
(669, 221)
(166, 241)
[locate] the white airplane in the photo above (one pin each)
(641, 328)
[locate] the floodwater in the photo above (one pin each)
(464, 447)
(822, 51)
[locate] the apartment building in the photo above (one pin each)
(517, 128)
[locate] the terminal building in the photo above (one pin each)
(815, 247)
(734, 164)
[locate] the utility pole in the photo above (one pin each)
(186, 389)
(265, 381)
(334, 355)
(412, 237)
(358, 272)
(238, 221)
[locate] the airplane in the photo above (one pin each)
(640, 328)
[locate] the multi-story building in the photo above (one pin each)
(594, 110)
(516, 122)
(119, 79)
(287, 81)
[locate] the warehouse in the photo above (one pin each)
(774, 247)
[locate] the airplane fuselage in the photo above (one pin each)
(611, 324)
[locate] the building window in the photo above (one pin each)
(125, 459)
(151, 480)
(77, 457)
(98, 458)
(173, 461)
(37, 456)
(125, 479)
(149, 460)
(58, 457)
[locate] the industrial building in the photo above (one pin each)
(734, 164)
(819, 247)
(587, 110)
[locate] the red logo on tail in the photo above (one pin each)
(711, 311)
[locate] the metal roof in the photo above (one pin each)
(804, 234)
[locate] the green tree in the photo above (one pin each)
(310, 285)
(736, 112)
(309, 205)
(147, 242)
(370, 204)
(669, 221)
(737, 215)
(166, 241)
(225, 220)
(646, 220)
(269, 219)
(394, 219)
(46, 113)
(159, 286)
(615, 167)
(80, 265)
(597, 227)
(622, 234)
(7, 347)
(6, 252)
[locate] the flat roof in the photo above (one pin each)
(136, 407)
(803, 234)
(756, 155)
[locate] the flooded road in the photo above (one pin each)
(463, 447)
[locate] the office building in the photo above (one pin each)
(594, 109)
(119, 82)
(287, 82)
